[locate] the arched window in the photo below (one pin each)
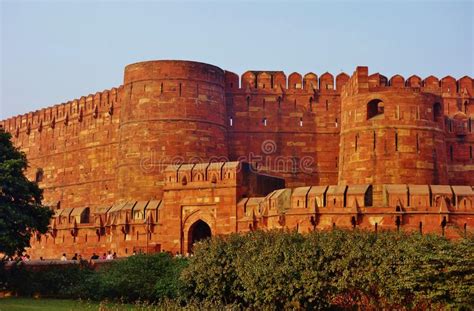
(375, 108)
(184, 181)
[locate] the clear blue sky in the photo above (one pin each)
(55, 51)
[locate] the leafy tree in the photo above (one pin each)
(21, 212)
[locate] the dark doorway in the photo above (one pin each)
(198, 231)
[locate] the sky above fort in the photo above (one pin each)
(55, 51)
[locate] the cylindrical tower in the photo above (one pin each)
(392, 135)
(171, 112)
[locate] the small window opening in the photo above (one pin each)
(231, 121)
(398, 222)
(298, 203)
(356, 141)
(301, 121)
(327, 105)
(311, 103)
(375, 108)
(437, 112)
(451, 153)
(353, 222)
(39, 175)
(396, 141)
(248, 101)
(264, 121)
(421, 227)
(337, 160)
(375, 140)
(271, 81)
(263, 85)
(417, 143)
(161, 88)
(184, 181)
(336, 123)
(443, 224)
(334, 201)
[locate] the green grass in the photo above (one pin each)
(42, 304)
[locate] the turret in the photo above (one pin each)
(390, 134)
(172, 112)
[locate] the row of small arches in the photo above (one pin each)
(274, 79)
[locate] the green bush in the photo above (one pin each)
(277, 270)
(52, 281)
(141, 277)
(333, 269)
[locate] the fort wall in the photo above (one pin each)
(115, 143)
(107, 153)
(72, 148)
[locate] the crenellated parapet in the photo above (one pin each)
(441, 209)
(276, 82)
(93, 106)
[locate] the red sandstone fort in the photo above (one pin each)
(183, 150)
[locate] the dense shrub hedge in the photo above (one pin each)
(333, 269)
(141, 277)
(278, 270)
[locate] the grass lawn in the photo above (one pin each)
(23, 304)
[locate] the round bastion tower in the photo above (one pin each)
(390, 134)
(172, 112)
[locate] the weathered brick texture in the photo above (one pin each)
(156, 155)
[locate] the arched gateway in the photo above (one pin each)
(198, 231)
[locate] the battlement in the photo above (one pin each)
(361, 81)
(98, 105)
(400, 197)
(431, 208)
(277, 82)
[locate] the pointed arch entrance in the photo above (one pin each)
(198, 231)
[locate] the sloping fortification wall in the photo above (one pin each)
(72, 148)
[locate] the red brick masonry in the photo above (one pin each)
(362, 151)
